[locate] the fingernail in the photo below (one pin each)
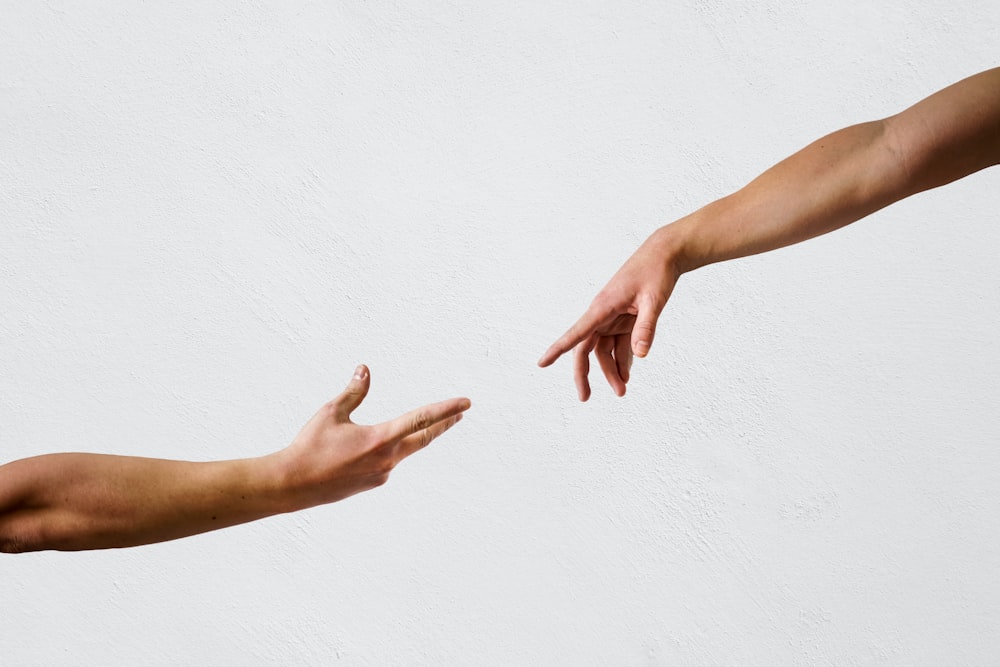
(641, 348)
(359, 373)
(466, 404)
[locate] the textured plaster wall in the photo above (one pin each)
(210, 212)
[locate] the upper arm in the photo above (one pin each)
(951, 134)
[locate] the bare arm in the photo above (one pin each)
(93, 501)
(89, 501)
(830, 183)
(852, 173)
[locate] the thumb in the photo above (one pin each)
(355, 392)
(645, 324)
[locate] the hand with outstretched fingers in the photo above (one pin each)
(621, 320)
(72, 501)
(333, 458)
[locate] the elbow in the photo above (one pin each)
(13, 546)
(926, 152)
(887, 167)
(14, 543)
(22, 526)
(17, 538)
(904, 151)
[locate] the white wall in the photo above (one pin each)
(211, 213)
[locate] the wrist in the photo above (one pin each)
(693, 241)
(671, 244)
(300, 481)
(279, 482)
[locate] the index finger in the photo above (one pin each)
(423, 418)
(584, 327)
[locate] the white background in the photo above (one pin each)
(211, 212)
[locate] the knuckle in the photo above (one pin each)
(377, 433)
(425, 439)
(377, 436)
(604, 305)
(384, 468)
(655, 302)
(421, 421)
(646, 326)
(383, 460)
(383, 437)
(386, 465)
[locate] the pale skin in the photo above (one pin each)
(92, 501)
(831, 183)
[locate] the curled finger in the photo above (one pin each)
(603, 349)
(623, 356)
(581, 367)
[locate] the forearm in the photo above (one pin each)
(827, 185)
(93, 501)
(848, 175)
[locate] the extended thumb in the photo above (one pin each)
(355, 392)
